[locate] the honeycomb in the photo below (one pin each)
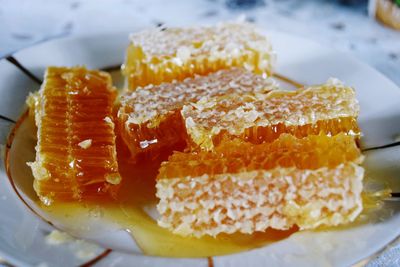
(241, 187)
(330, 108)
(75, 152)
(150, 120)
(163, 55)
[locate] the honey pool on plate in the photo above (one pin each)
(130, 212)
(127, 212)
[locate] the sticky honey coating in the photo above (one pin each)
(241, 187)
(150, 119)
(233, 156)
(75, 152)
(163, 55)
(330, 108)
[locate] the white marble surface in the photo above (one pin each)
(345, 27)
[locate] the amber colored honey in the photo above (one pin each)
(258, 135)
(75, 102)
(184, 52)
(142, 74)
(137, 192)
(311, 152)
(127, 211)
(150, 118)
(154, 143)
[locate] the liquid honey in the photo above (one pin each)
(127, 212)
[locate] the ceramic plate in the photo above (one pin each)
(23, 233)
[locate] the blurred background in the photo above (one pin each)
(342, 24)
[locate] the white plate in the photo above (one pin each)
(22, 234)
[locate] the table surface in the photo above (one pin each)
(343, 25)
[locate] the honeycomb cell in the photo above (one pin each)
(75, 152)
(163, 55)
(242, 187)
(150, 120)
(330, 108)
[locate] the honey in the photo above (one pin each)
(260, 165)
(184, 52)
(76, 155)
(241, 187)
(150, 119)
(311, 152)
(126, 211)
(330, 108)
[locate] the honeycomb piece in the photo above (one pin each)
(330, 108)
(150, 120)
(242, 187)
(163, 55)
(75, 153)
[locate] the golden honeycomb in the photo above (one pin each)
(242, 187)
(75, 152)
(150, 120)
(163, 55)
(330, 108)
